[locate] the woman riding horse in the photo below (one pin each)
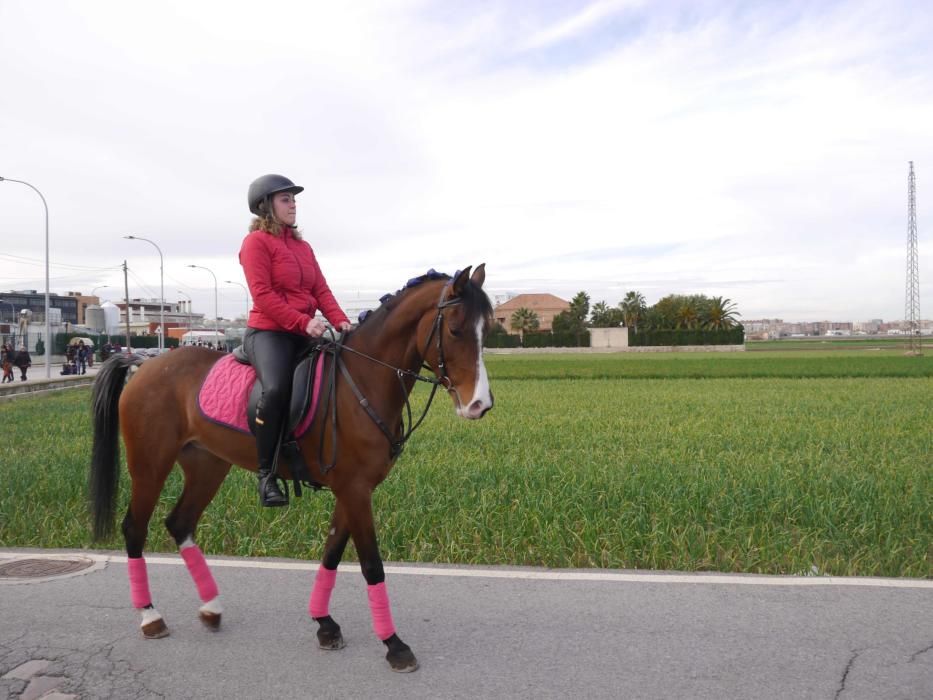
(436, 322)
(288, 287)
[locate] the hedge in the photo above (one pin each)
(643, 338)
(501, 340)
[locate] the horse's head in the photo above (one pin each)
(454, 346)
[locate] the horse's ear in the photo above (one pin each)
(479, 275)
(461, 281)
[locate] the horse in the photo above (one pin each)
(436, 323)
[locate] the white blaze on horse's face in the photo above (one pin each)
(482, 396)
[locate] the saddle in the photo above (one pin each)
(301, 390)
(231, 392)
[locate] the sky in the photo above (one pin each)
(752, 150)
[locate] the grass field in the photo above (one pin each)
(768, 463)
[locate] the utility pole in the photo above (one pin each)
(126, 288)
(912, 298)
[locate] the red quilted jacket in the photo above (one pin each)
(286, 283)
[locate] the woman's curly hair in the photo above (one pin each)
(266, 222)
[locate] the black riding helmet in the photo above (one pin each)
(264, 187)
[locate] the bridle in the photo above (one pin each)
(397, 439)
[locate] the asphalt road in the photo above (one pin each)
(477, 632)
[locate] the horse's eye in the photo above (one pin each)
(455, 332)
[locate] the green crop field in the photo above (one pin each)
(749, 462)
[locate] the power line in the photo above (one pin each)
(19, 259)
(141, 284)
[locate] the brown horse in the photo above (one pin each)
(438, 322)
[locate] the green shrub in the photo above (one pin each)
(644, 338)
(548, 339)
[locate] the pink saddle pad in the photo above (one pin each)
(226, 389)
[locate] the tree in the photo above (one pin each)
(688, 314)
(580, 309)
(633, 309)
(604, 316)
(680, 311)
(573, 320)
(721, 314)
(524, 320)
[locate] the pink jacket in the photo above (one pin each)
(286, 283)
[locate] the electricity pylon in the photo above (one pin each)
(912, 298)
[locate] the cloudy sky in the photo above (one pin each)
(755, 150)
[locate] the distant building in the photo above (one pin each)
(144, 315)
(546, 306)
(15, 301)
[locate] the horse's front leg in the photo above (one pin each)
(328, 633)
(360, 522)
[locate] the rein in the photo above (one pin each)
(397, 439)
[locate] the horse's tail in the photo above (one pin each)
(105, 455)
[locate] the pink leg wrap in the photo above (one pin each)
(139, 582)
(320, 594)
(379, 607)
(197, 567)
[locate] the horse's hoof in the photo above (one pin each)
(330, 643)
(406, 664)
(210, 620)
(400, 656)
(329, 636)
(155, 629)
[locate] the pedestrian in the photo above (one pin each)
(288, 288)
(81, 356)
(23, 361)
(6, 359)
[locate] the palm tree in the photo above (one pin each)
(633, 309)
(721, 314)
(688, 315)
(603, 316)
(524, 320)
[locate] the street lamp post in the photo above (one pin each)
(161, 290)
(216, 314)
(245, 289)
(189, 308)
(102, 286)
(48, 320)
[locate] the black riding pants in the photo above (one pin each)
(272, 354)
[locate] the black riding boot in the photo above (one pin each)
(270, 495)
(268, 436)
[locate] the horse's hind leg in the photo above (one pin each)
(329, 635)
(204, 473)
(149, 465)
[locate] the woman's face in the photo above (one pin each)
(283, 208)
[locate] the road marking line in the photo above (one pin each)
(522, 574)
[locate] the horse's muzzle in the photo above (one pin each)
(477, 409)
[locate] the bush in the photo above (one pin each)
(646, 338)
(501, 340)
(547, 339)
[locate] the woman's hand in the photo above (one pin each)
(344, 326)
(315, 328)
